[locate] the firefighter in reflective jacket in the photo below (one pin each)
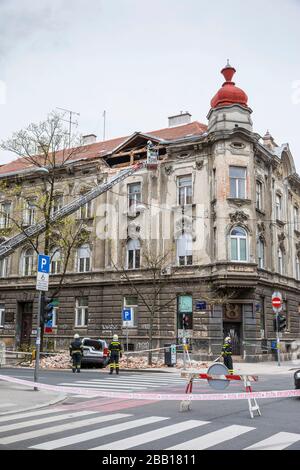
(115, 352)
(76, 352)
(227, 354)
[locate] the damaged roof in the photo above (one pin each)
(100, 149)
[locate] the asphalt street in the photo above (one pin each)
(98, 423)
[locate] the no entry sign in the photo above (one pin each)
(276, 300)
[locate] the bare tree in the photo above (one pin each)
(44, 150)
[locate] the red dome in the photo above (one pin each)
(229, 93)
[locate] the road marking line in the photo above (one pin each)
(3, 405)
(150, 436)
(50, 419)
(82, 437)
(279, 441)
(213, 438)
(12, 417)
(61, 428)
(99, 387)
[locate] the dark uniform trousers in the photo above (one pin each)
(76, 354)
(227, 354)
(115, 351)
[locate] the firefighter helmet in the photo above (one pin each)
(115, 338)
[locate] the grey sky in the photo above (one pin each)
(142, 61)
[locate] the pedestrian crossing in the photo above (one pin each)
(127, 383)
(51, 429)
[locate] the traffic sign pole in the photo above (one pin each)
(277, 306)
(38, 341)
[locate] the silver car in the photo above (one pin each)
(95, 352)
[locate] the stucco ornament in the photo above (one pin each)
(238, 217)
(281, 240)
(199, 164)
(169, 169)
(261, 227)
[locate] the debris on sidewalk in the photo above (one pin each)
(62, 360)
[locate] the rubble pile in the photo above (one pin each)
(62, 360)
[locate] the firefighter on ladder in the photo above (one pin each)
(115, 352)
(227, 354)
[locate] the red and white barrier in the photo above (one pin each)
(155, 396)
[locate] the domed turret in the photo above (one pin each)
(229, 107)
(229, 93)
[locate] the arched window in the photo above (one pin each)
(56, 263)
(28, 262)
(297, 267)
(184, 249)
(83, 259)
(261, 253)
(280, 260)
(133, 254)
(238, 245)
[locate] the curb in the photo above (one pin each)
(59, 399)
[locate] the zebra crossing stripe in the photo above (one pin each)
(100, 387)
(82, 437)
(150, 436)
(14, 416)
(50, 419)
(213, 438)
(279, 441)
(61, 428)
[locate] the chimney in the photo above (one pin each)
(89, 139)
(180, 119)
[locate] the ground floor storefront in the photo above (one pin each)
(192, 310)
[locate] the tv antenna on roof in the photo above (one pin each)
(69, 121)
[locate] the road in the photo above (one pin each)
(105, 424)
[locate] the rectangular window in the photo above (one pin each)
(86, 211)
(259, 188)
(215, 244)
(5, 212)
(185, 190)
(54, 317)
(134, 195)
(296, 219)
(185, 313)
(131, 301)
(57, 204)
(278, 207)
(29, 213)
(84, 259)
(297, 265)
(214, 184)
(237, 182)
(2, 315)
(82, 312)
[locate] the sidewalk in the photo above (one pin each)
(16, 398)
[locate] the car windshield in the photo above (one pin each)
(94, 343)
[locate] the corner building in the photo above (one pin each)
(222, 207)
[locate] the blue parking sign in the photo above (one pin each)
(127, 314)
(44, 264)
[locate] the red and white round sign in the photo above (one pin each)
(276, 300)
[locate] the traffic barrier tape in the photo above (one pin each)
(157, 396)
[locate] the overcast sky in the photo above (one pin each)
(143, 61)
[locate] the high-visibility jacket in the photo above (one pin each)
(76, 347)
(227, 349)
(115, 347)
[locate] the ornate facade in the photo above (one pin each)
(222, 208)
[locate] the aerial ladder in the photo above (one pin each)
(10, 245)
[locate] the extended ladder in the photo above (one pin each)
(10, 245)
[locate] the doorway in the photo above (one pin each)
(234, 331)
(26, 311)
